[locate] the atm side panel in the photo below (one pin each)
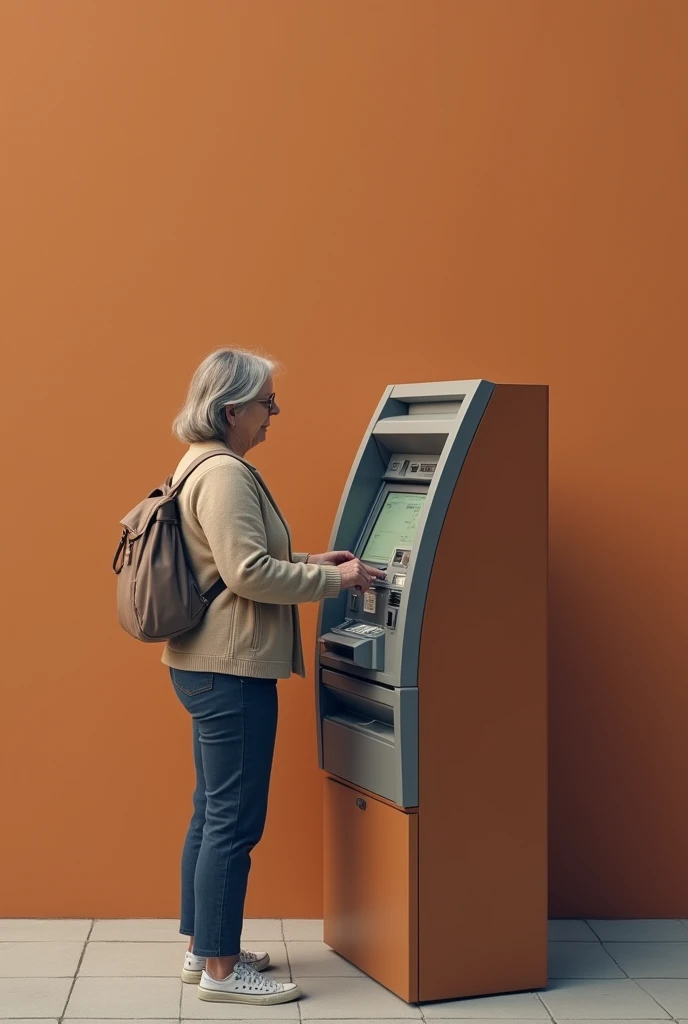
(483, 716)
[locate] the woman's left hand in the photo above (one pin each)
(330, 558)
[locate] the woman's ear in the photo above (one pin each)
(230, 414)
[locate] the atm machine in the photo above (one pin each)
(431, 695)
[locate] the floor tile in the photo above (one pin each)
(520, 1006)
(351, 999)
(36, 930)
(125, 998)
(35, 1020)
(639, 931)
(570, 931)
(133, 960)
(265, 928)
(600, 1000)
(672, 995)
(316, 960)
(581, 960)
(137, 930)
(194, 1009)
(39, 959)
(651, 959)
(33, 997)
(296, 929)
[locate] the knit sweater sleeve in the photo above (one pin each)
(226, 503)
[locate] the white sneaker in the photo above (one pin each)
(246, 985)
(195, 965)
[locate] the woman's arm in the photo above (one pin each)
(226, 502)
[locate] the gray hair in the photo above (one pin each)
(227, 376)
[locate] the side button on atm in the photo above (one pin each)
(392, 617)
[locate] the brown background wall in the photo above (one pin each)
(374, 191)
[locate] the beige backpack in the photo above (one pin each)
(157, 594)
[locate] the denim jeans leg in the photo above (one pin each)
(236, 720)
(192, 844)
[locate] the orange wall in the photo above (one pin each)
(373, 191)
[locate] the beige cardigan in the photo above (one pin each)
(232, 527)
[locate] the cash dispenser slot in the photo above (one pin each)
(365, 730)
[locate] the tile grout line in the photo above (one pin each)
(291, 975)
(544, 1004)
(61, 1017)
(642, 989)
(625, 973)
(587, 921)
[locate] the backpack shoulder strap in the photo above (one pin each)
(195, 464)
(219, 585)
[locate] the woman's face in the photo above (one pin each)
(249, 426)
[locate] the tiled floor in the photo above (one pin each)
(90, 971)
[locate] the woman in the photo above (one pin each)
(225, 671)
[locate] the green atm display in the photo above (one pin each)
(395, 526)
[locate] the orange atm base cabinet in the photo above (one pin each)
(371, 886)
(394, 921)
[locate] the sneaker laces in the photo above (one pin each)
(253, 980)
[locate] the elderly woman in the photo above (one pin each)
(225, 671)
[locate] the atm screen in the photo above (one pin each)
(395, 526)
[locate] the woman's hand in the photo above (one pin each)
(330, 558)
(356, 575)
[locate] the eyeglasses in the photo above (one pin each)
(269, 402)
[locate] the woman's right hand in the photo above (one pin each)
(356, 575)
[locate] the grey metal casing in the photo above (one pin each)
(370, 734)
(437, 420)
(363, 486)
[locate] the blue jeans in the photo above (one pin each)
(234, 723)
